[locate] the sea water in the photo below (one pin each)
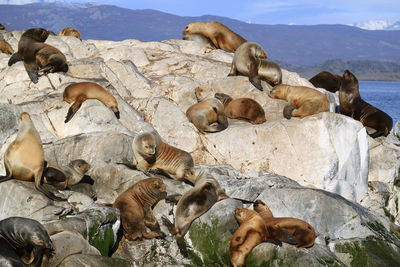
(383, 95)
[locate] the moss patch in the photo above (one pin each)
(102, 238)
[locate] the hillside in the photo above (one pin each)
(303, 46)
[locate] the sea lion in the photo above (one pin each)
(208, 116)
(303, 101)
(50, 60)
(203, 41)
(353, 106)
(302, 232)
(152, 154)
(65, 176)
(28, 239)
(6, 48)
(220, 35)
(70, 32)
(195, 202)
(135, 206)
(329, 81)
(250, 60)
(242, 108)
(31, 41)
(2, 27)
(251, 232)
(79, 92)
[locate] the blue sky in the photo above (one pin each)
(300, 12)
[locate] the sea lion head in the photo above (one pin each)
(191, 28)
(147, 144)
(37, 34)
(242, 214)
(278, 91)
(257, 51)
(349, 82)
(80, 166)
(155, 188)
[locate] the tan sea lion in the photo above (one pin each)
(24, 242)
(24, 157)
(70, 32)
(79, 92)
(6, 48)
(135, 206)
(303, 101)
(31, 41)
(208, 116)
(353, 106)
(220, 35)
(329, 81)
(152, 154)
(250, 60)
(200, 39)
(65, 176)
(302, 232)
(251, 232)
(192, 205)
(242, 108)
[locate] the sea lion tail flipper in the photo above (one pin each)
(14, 58)
(287, 111)
(54, 175)
(182, 246)
(173, 198)
(40, 187)
(74, 107)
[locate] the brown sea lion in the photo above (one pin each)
(51, 60)
(2, 27)
(220, 35)
(27, 238)
(6, 48)
(24, 157)
(79, 92)
(31, 41)
(135, 206)
(302, 232)
(152, 154)
(251, 232)
(353, 106)
(242, 108)
(329, 81)
(208, 116)
(70, 32)
(303, 101)
(65, 176)
(250, 60)
(192, 205)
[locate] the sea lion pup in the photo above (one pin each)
(50, 60)
(200, 39)
(192, 205)
(302, 232)
(24, 157)
(251, 232)
(135, 205)
(303, 101)
(208, 116)
(70, 32)
(353, 106)
(28, 238)
(31, 41)
(150, 153)
(329, 81)
(79, 92)
(6, 48)
(65, 176)
(250, 60)
(242, 108)
(220, 35)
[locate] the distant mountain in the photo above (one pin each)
(303, 46)
(378, 25)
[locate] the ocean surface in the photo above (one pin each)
(383, 95)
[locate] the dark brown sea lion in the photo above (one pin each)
(152, 154)
(220, 35)
(51, 60)
(302, 231)
(208, 116)
(32, 40)
(135, 206)
(353, 106)
(192, 205)
(329, 81)
(2, 27)
(28, 239)
(65, 176)
(242, 108)
(303, 101)
(24, 157)
(6, 48)
(70, 32)
(79, 92)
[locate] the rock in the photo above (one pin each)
(82, 260)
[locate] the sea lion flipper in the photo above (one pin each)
(233, 71)
(14, 59)
(33, 70)
(173, 198)
(8, 175)
(171, 227)
(253, 75)
(54, 175)
(182, 246)
(278, 235)
(74, 108)
(287, 111)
